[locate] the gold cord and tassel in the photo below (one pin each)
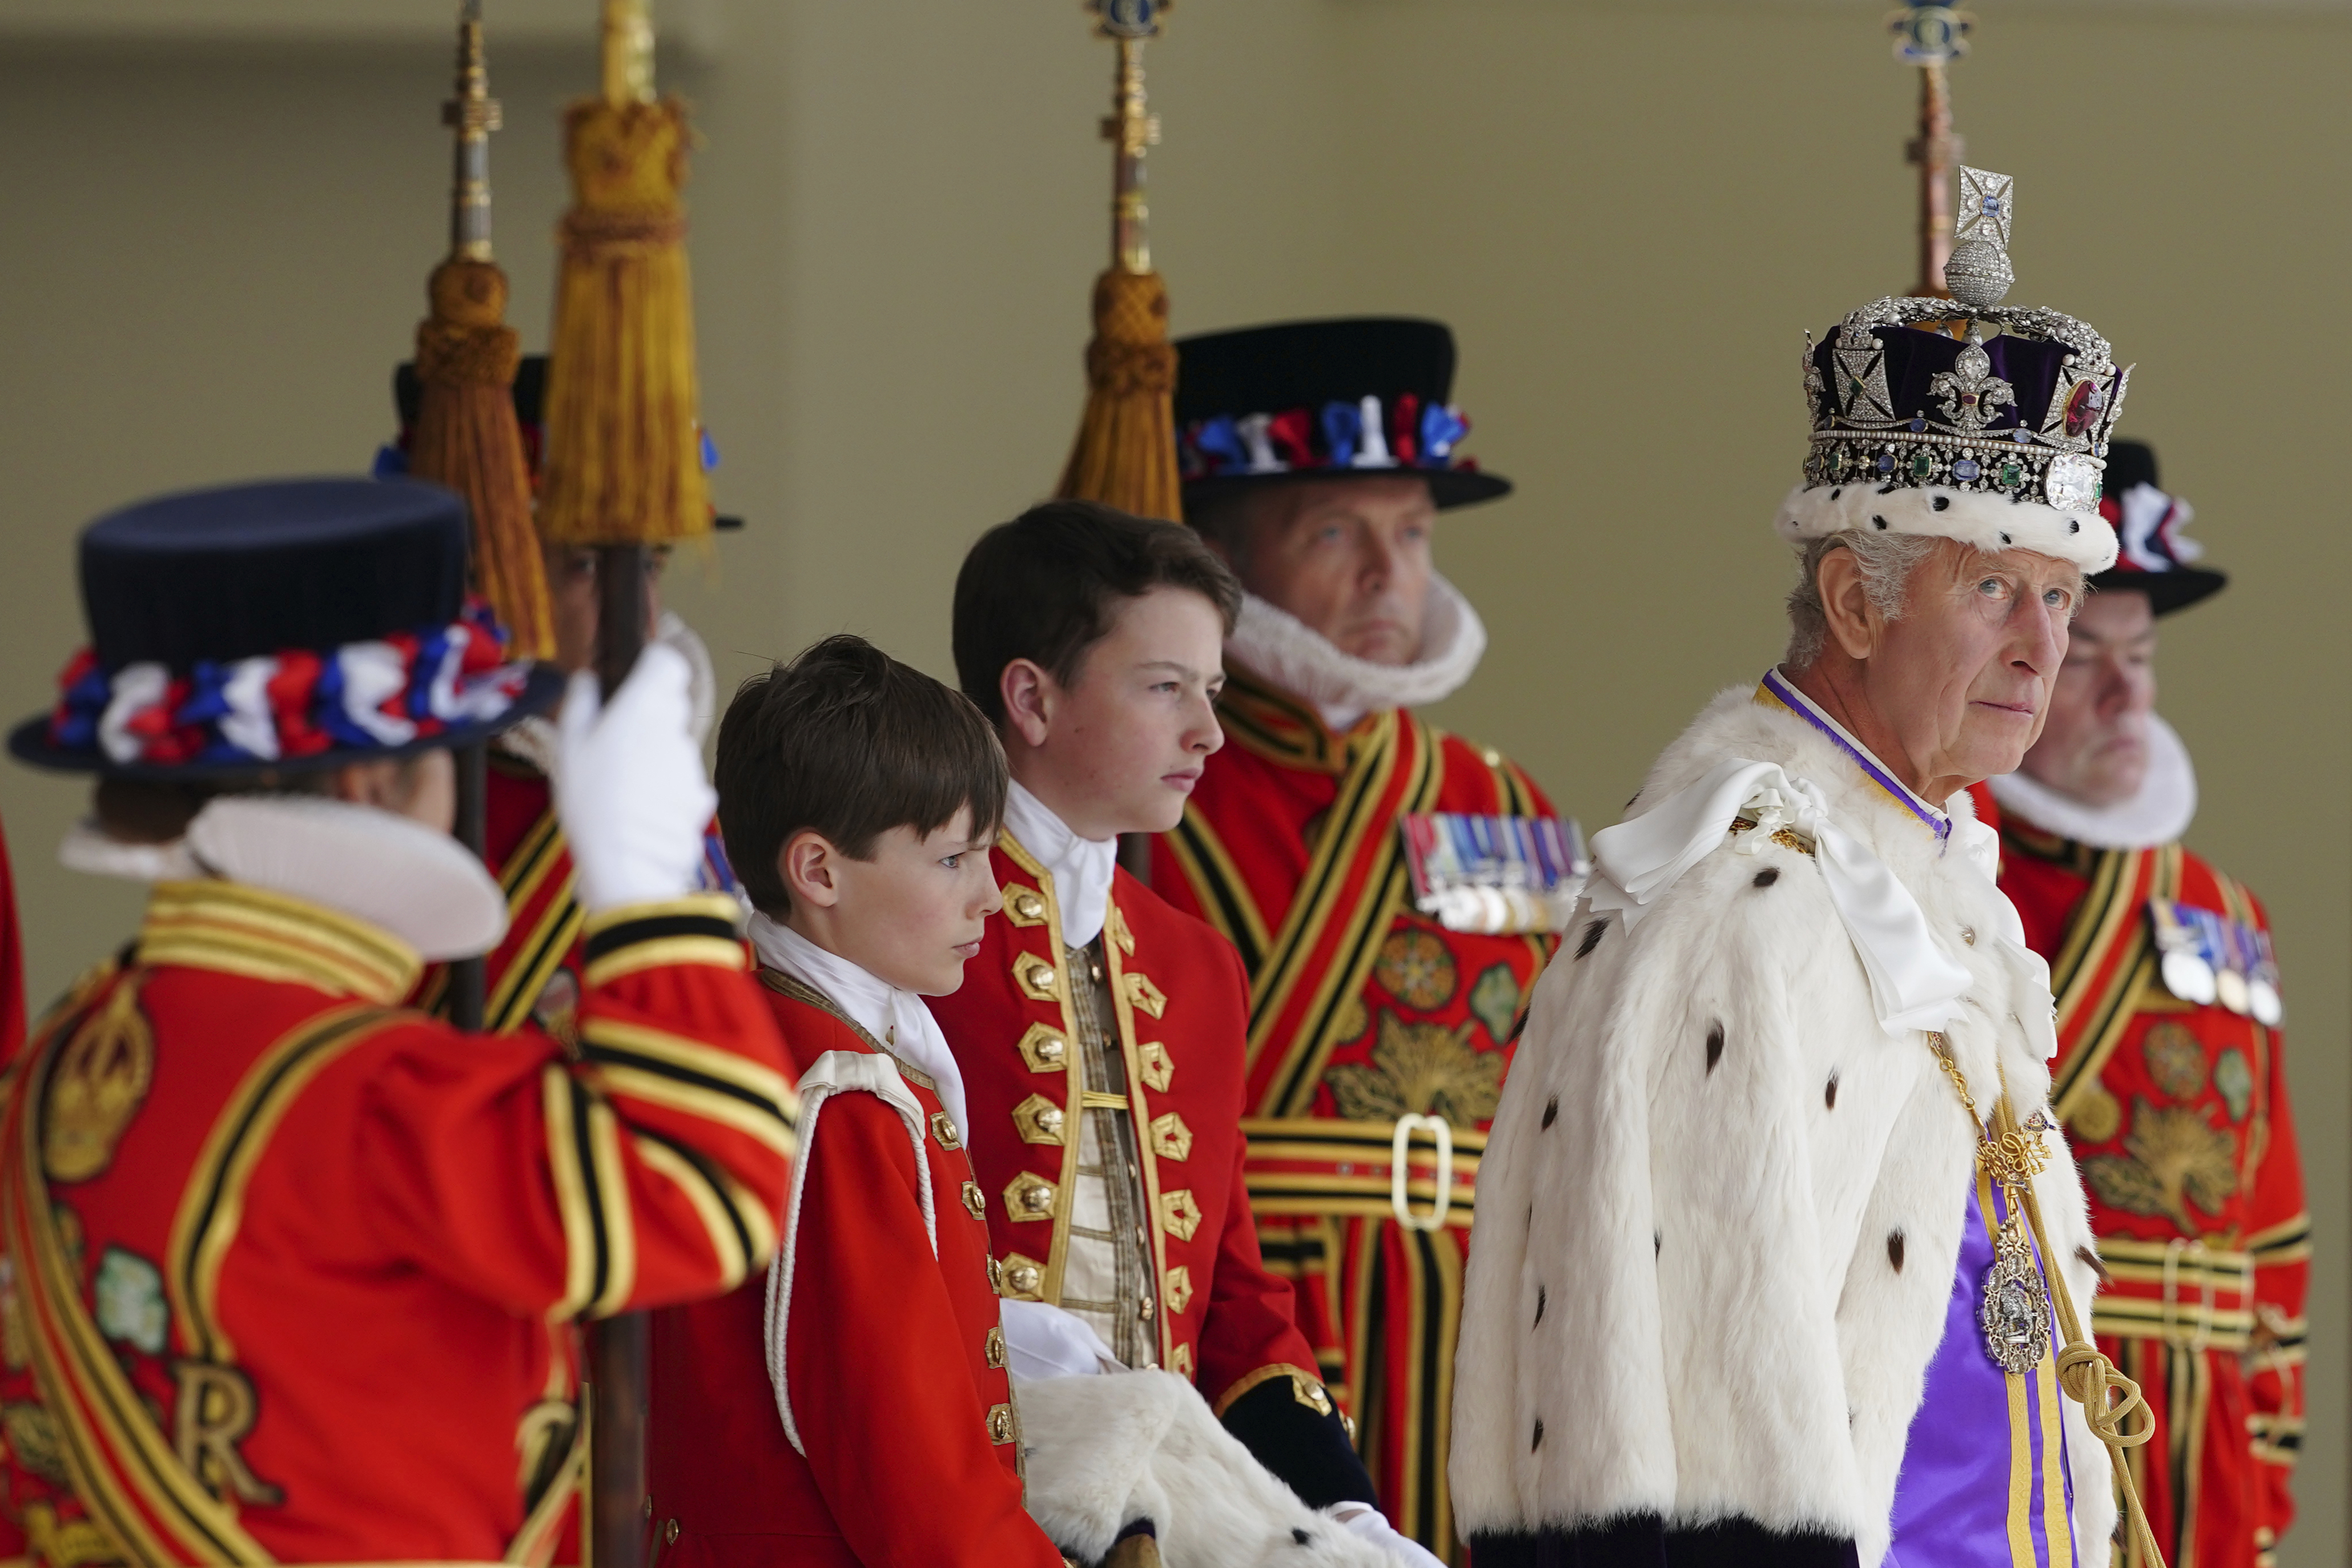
(466, 435)
(1125, 455)
(2012, 1156)
(623, 453)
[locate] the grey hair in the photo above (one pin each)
(1887, 561)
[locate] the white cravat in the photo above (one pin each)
(897, 1018)
(1081, 868)
(1914, 984)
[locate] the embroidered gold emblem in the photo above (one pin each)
(1028, 1196)
(2098, 1116)
(1179, 1288)
(1044, 1050)
(69, 1545)
(1351, 1020)
(1120, 934)
(1417, 969)
(991, 1348)
(1180, 1361)
(32, 1433)
(100, 1078)
(1023, 905)
(1143, 995)
(1024, 1279)
(1038, 1120)
(2175, 1061)
(215, 1409)
(1159, 1069)
(1037, 978)
(1420, 1069)
(1170, 1139)
(2235, 1080)
(1180, 1213)
(2171, 1155)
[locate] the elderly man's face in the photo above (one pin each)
(1961, 681)
(2095, 748)
(1350, 558)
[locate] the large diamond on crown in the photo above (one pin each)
(1971, 394)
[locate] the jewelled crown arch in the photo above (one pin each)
(2012, 411)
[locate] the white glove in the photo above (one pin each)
(629, 789)
(1370, 1525)
(1046, 1342)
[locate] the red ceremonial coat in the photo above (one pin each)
(1223, 1320)
(2180, 1120)
(894, 1359)
(290, 1273)
(1362, 1011)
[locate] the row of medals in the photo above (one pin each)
(2246, 980)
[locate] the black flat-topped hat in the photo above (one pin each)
(1363, 397)
(279, 626)
(2153, 556)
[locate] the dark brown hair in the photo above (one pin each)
(846, 741)
(1042, 588)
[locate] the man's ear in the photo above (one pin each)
(1853, 621)
(806, 865)
(1030, 695)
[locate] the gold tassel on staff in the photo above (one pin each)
(1125, 455)
(623, 461)
(465, 436)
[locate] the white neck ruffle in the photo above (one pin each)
(897, 1018)
(1081, 868)
(421, 886)
(1278, 647)
(2157, 813)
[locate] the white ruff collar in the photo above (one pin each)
(1081, 868)
(2157, 814)
(400, 875)
(1278, 647)
(897, 1018)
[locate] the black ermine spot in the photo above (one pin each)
(1894, 1249)
(1829, 1095)
(2091, 1258)
(1541, 1297)
(1299, 1535)
(1837, 492)
(2004, 538)
(1551, 1110)
(1713, 1047)
(1941, 503)
(1592, 937)
(2073, 525)
(1877, 521)
(1767, 877)
(1538, 1442)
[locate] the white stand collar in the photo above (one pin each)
(1081, 868)
(897, 1018)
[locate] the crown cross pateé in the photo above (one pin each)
(1988, 200)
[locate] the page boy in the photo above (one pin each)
(1100, 1033)
(858, 798)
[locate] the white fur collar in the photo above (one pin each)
(400, 876)
(1276, 645)
(2157, 814)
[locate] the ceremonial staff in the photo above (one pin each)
(466, 435)
(622, 473)
(1125, 455)
(1931, 36)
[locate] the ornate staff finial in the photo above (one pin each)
(1931, 36)
(626, 52)
(473, 114)
(1130, 128)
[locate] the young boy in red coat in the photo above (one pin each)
(853, 1406)
(1100, 1033)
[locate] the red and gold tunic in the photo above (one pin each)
(1361, 1012)
(895, 1358)
(290, 1273)
(2180, 1120)
(1217, 1316)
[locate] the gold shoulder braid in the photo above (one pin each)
(2019, 1290)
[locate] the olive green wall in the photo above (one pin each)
(212, 253)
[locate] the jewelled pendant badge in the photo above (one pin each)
(2013, 1312)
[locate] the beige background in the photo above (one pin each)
(217, 237)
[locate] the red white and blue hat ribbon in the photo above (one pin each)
(1362, 434)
